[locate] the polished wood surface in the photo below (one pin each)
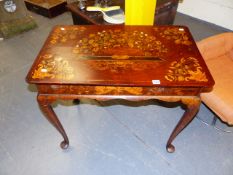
(120, 62)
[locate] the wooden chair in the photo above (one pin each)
(217, 51)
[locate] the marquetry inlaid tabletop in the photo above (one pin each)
(120, 55)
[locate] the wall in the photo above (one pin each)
(219, 12)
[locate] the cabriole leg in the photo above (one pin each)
(45, 105)
(192, 104)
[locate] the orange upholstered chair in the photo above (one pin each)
(217, 51)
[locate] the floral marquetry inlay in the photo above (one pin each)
(186, 69)
(104, 90)
(53, 67)
(120, 66)
(97, 43)
(177, 34)
(62, 35)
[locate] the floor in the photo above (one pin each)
(115, 137)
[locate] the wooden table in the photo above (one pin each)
(120, 62)
(164, 14)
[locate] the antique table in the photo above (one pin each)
(120, 62)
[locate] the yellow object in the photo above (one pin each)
(139, 12)
(105, 9)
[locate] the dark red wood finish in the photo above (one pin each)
(120, 62)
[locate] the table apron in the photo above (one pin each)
(117, 91)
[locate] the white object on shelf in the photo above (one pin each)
(117, 18)
(112, 14)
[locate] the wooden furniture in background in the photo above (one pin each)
(120, 62)
(164, 14)
(47, 8)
